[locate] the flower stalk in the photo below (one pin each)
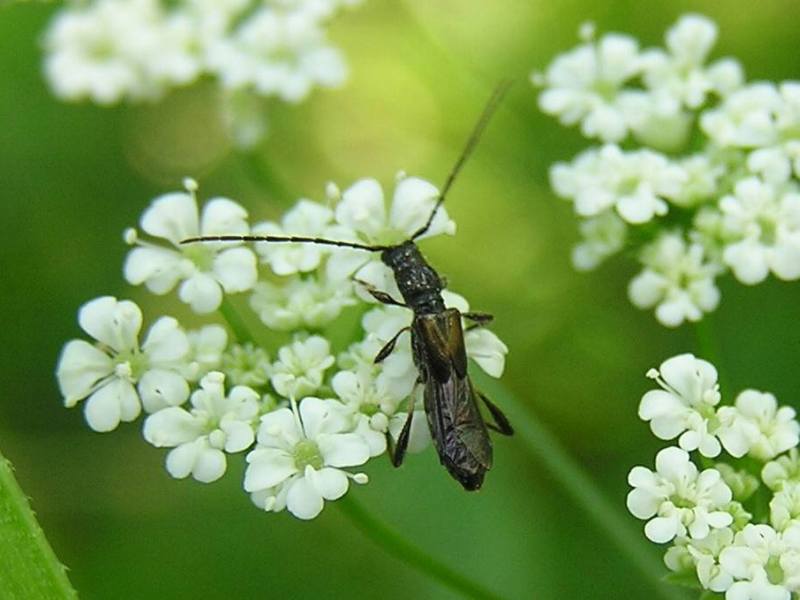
(540, 442)
(396, 545)
(30, 567)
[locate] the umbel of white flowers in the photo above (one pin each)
(109, 51)
(729, 203)
(302, 410)
(733, 527)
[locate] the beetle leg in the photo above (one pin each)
(389, 346)
(398, 452)
(479, 319)
(380, 296)
(501, 424)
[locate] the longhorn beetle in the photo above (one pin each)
(437, 340)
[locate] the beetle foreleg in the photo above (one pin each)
(380, 296)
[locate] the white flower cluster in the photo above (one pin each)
(109, 51)
(698, 171)
(303, 410)
(734, 526)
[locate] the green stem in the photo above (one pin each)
(610, 518)
(235, 321)
(28, 566)
(410, 554)
(708, 348)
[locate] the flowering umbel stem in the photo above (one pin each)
(30, 568)
(396, 545)
(539, 441)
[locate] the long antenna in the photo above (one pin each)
(472, 141)
(282, 238)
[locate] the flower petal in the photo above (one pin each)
(80, 367)
(172, 216)
(343, 449)
(202, 293)
(114, 402)
(303, 501)
(115, 323)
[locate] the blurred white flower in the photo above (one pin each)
(686, 404)
(677, 279)
(764, 563)
(300, 303)
(205, 269)
(109, 51)
(602, 236)
(298, 461)
(217, 423)
(637, 184)
(301, 366)
(764, 226)
(584, 85)
(680, 71)
(116, 50)
(757, 426)
(675, 498)
(117, 374)
(277, 53)
(745, 118)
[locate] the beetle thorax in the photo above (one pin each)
(420, 285)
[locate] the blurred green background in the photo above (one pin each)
(72, 177)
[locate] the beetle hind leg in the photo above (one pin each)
(501, 424)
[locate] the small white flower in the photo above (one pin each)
(745, 118)
(675, 499)
(678, 280)
(584, 84)
(206, 269)
(301, 366)
(373, 405)
(756, 426)
(298, 461)
(206, 347)
(681, 73)
(702, 556)
(247, 364)
(300, 303)
(277, 53)
(685, 406)
(742, 483)
(362, 213)
(117, 374)
(703, 176)
(765, 225)
(784, 508)
(216, 424)
(764, 563)
(307, 219)
(784, 469)
(98, 51)
(603, 236)
(637, 184)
